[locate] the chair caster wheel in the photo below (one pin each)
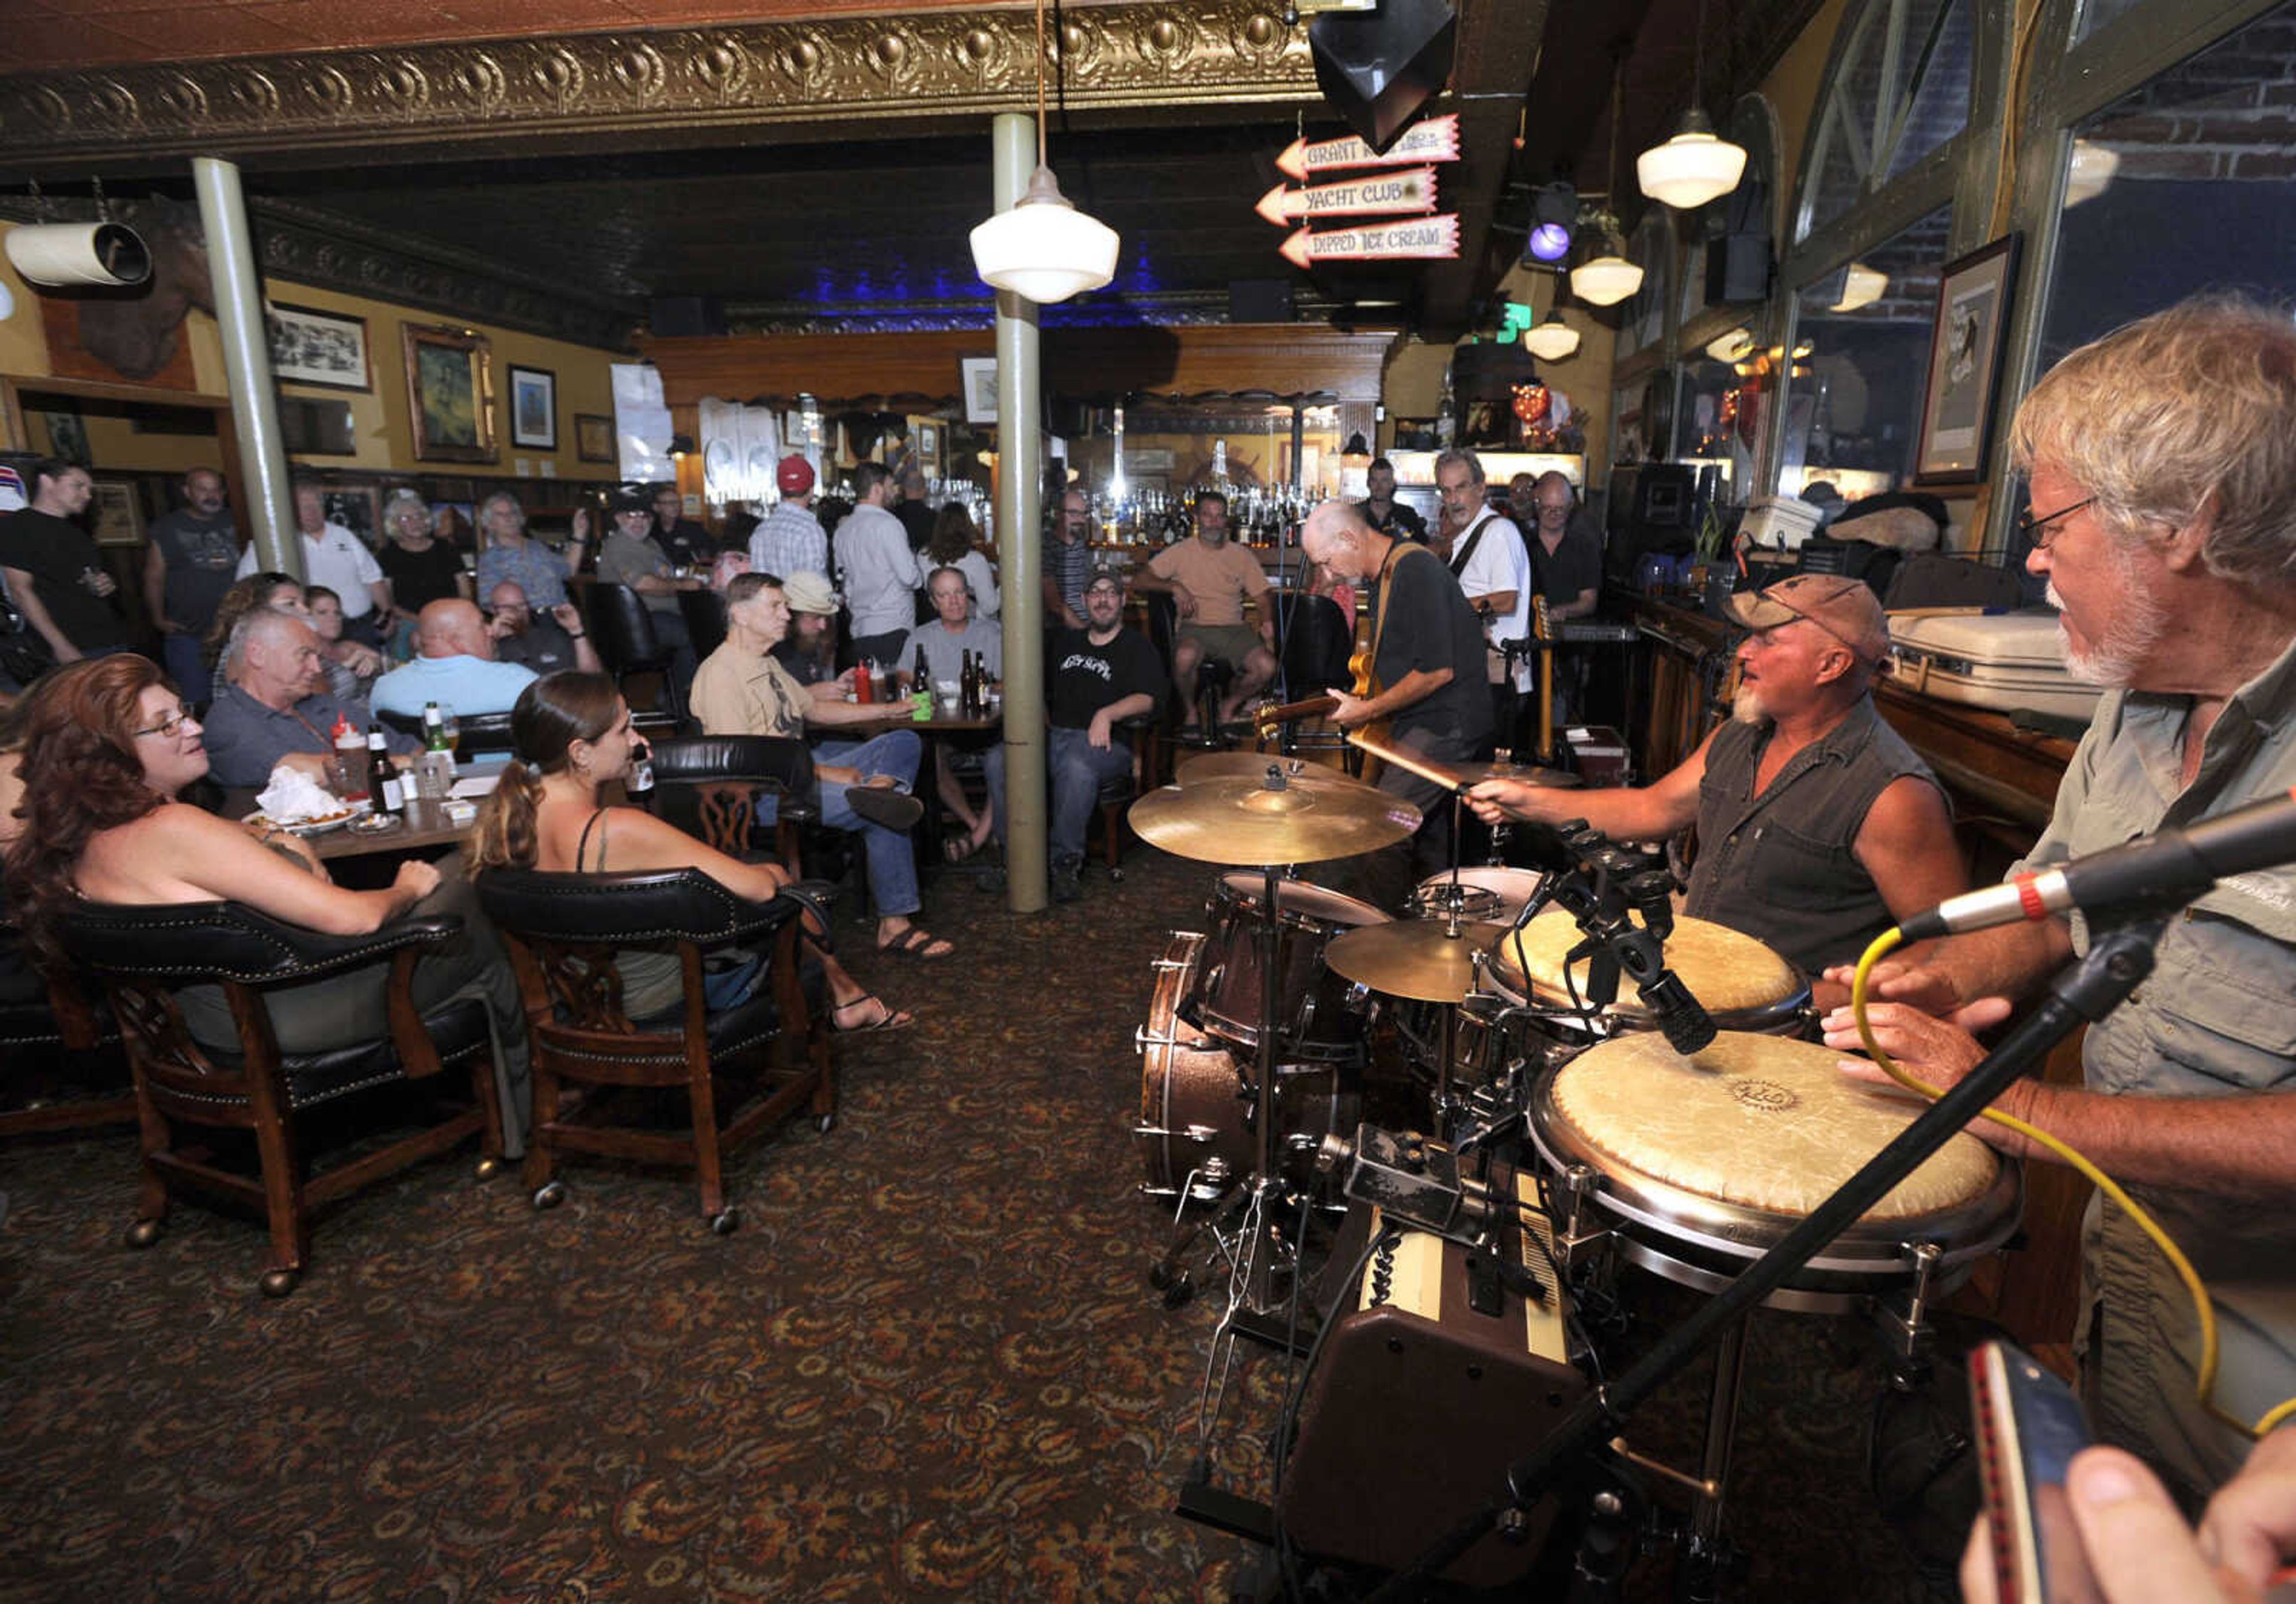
(145, 1232)
(550, 1196)
(825, 1124)
(1180, 1291)
(278, 1283)
(725, 1222)
(488, 1168)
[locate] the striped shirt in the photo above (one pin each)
(790, 541)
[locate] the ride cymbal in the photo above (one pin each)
(1238, 820)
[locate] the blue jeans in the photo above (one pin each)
(1076, 769)
(186, 662)
(893, 861)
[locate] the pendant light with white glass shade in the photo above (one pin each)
(1043, 248)
(1696, 165)
(1607, 279)
(1551, 339)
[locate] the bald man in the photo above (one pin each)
(455, 665)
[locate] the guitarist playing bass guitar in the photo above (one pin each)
(1426, 662)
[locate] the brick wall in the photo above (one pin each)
(2228, 112)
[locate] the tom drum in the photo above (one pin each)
(1321, 1016)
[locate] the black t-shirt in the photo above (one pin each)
(1400, 522)
(686, 543)
(807, 668)
(199, 556)
(1086, 678)
(917, 521)
(418, 578)
(1575, 565)
(1431, 627)
(55, 554)
(545, 647)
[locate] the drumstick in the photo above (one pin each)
(1449, 780)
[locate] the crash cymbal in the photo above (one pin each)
(1253, 765)
(1474, 773)
(1414, 958)
(1232, 820)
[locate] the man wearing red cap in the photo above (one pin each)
(1819, 827)
(791, 540)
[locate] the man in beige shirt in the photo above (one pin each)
(1209, 581)
(741, 689)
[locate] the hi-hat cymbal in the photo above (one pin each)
(1475, 773)
(1253, 765)
(1414, 958)
(1233, 820)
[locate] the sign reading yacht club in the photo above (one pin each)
(1435, 139)
(1427, 238)
(1377, 194)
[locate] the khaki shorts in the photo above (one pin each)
(1234, 642)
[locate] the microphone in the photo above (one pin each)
(2167, 867)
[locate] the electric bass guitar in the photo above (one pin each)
(1270, 718)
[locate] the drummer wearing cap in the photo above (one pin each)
(1819, 827)
(791, 540)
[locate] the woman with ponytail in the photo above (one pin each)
(570, 733)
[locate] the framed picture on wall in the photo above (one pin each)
(115, 513)
(1964, 374)
(450, 393)
(311, 347)
(533, 407)
(594, 437)
(979, 374)
(357, 507)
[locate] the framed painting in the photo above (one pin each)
(594, 437)
(450, 393)
(533, 407)
(311, 347)
(979, 374)
(1965, 373)
(115, 513)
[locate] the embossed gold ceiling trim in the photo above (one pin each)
(818, 78)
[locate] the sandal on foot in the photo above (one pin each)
(888, 1017)
(956, 848)
(877, 805)
(918, 942)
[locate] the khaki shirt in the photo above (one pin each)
(1218, 579)
(2215, 1019)
(735, 694)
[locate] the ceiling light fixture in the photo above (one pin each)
(1553, 339)
(1553, 222)
(1043, 248)
(1606, 279)
(1696, 165)
(1735, 346)
(1861, 286)
(2091, 169)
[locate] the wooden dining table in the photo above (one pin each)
(938, 728)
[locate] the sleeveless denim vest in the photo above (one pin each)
(1779, 866)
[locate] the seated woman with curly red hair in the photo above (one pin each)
(572, 734)
(107, 746)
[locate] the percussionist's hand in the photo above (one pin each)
(1940, 1052)
(416, 878)
(1917, 986)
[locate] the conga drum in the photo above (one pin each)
(1699, 1164)
(1739, 980)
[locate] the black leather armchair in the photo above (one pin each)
(708, 786)
(65, 1070)
(704, 613)
(143, 955)
(475, 732)
(564, 932)
(622, 625)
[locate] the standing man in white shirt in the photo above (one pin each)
(334, 557)
(880, 571)
(1493, 566)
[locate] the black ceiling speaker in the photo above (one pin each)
(1378, 69)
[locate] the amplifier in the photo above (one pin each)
(1599, 753)
(1437, 1374)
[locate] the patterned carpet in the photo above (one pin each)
(927, 1366)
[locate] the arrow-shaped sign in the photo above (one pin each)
(1432, 238)
(1435, 139)
(1375, 195)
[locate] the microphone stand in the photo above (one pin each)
(2117, 961)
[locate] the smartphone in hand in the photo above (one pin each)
(2029, 1424)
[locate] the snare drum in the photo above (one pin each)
(1321, 1016)
(1195, 1105)
(1740, 982)
(1696, 1165)
(1492, 892)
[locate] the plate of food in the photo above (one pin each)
(319, 824)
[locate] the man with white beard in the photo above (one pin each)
(1819, 827)
(2162, 465)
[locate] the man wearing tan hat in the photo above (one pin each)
(1818, 828)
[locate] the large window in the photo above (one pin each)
(1900, 91)
(1860, 365)
(2186, 183)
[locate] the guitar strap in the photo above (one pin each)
(1396, 554)
(1467, 551)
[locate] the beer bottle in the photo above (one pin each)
(389, 789)
(434, 728)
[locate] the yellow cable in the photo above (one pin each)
(2201, 1305)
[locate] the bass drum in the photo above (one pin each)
(1321, 1015)
(1196, 1106)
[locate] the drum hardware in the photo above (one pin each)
(1907, 1334)
(2118, 960)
